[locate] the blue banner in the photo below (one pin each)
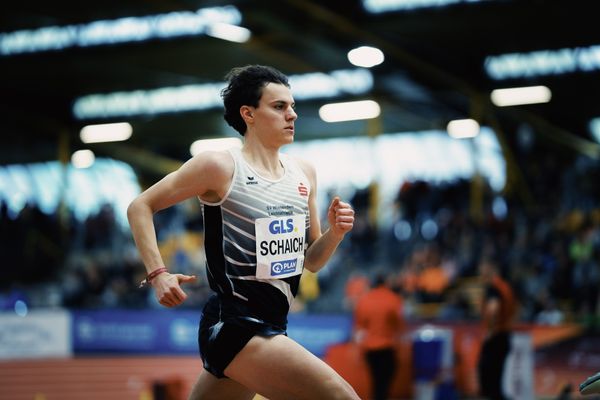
(176, 332)
(317, 332)
(143, 331)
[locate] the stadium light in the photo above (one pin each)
(208, 95)
(521, 95)
(366, 56)
(463, 128)
(115, 132)
(229, 32)
(214, 145)
(83, 158)
(121, 30)
(543, 62)
(349, 111)
(381, 6)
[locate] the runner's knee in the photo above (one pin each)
(342, 390)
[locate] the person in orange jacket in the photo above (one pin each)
(378, 324)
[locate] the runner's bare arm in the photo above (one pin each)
(207, 176)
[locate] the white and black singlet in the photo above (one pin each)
(255, 242)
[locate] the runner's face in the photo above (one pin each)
(275, 116)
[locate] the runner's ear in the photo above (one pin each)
(247, 113)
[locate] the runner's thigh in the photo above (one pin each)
(209, 387)
(280, 369)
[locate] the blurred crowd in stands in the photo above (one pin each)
(544, 231)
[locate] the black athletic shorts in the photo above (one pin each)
(223, 334)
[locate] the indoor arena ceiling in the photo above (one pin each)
(433, 70)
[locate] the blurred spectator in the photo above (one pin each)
(357, 285)
(408, 277)
(363, 236)
(414, 198)
(378, 324)
(432, 280)
(549, 314)
(37, 240)
(456, 306)
(549, 253)
(497, 313)
(308, 291)
(100, 229)
(586, 271)
(432, 283)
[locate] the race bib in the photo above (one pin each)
(280, 243)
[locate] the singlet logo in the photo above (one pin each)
(251, 181)
(281, 226)
(303, 190)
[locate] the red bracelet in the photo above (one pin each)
(151, 276)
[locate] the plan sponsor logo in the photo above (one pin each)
(283, 267)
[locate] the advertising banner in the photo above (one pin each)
(518, 382)
(143, 331)
(317, 332)
(39, 334)
(176, 332)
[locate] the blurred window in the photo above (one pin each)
(348, 164)
(84, 190)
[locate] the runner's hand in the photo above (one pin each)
(167, 288)
(340, 216)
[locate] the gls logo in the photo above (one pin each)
(281, 226)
